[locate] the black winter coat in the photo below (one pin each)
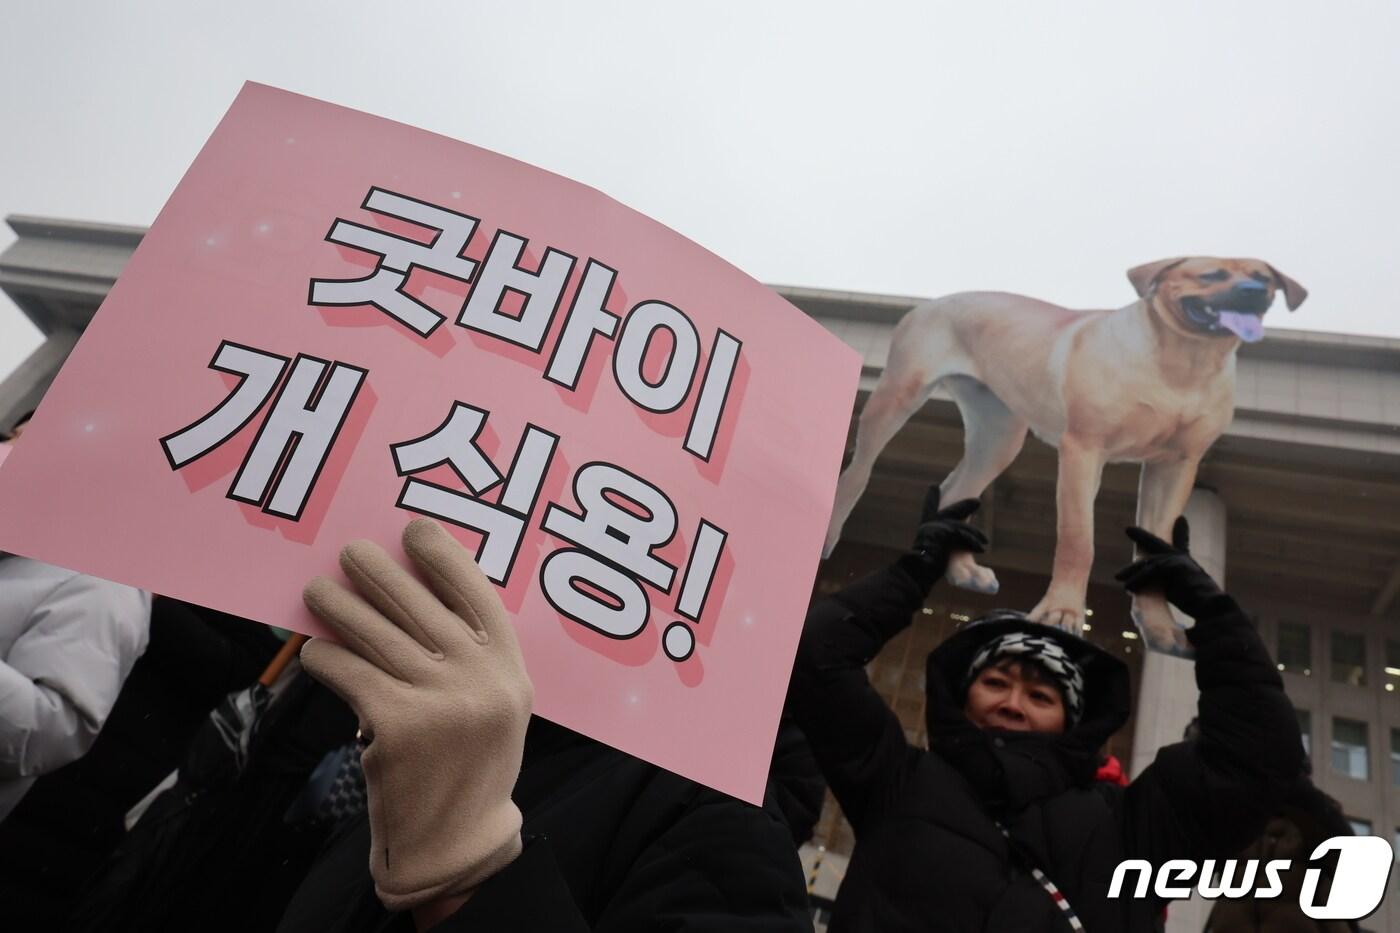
(929, 854)
(71, 820)
(1308, 818)
(612, 844)
(230, 862)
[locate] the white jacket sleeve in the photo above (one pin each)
(63, 673)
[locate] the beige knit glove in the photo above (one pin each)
(436, 677)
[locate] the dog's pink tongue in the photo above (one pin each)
(1248, 327)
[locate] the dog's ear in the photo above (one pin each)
(1144, 277)
(1293, 293)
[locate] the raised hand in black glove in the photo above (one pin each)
(943, 533)
(1170, 569)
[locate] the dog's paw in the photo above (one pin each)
(964, 572)
(1060, 613)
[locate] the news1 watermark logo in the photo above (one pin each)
(1358, 883)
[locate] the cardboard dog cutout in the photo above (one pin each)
(1152, 382)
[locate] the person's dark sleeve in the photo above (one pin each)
(527, 896)
(1210, 797)
(721, 867)
(796, 788)
(856, 737)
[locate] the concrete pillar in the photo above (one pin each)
(21, 391)
(1167, 695)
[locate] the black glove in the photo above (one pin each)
(1171, 569)
(942, 533)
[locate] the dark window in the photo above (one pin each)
(1295, 648)
(1392, 664)
(1350, 754)
(1349, 659)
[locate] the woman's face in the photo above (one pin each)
(1014, 697)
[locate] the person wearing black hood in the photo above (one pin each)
(1000, 824)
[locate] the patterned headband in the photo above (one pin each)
(1044, 651)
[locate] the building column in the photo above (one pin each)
(1167, 694)
(21, 391)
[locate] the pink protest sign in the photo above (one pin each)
(339, 322)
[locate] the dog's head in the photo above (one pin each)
(1207, 297)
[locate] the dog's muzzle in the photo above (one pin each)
(1238, 311)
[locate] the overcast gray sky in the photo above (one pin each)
(910, 148)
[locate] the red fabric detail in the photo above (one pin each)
(1111, 771)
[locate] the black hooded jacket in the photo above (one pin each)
(613, 844)
(930, 852)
